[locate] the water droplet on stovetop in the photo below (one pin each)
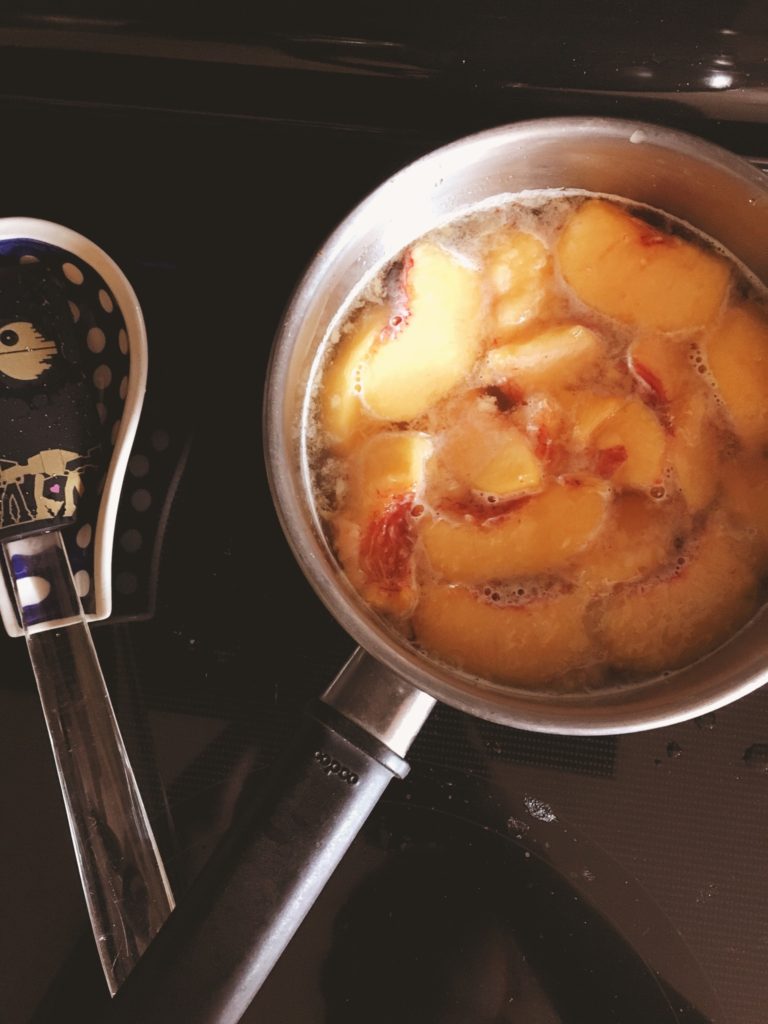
(538, 809)
(706, 722)
(674, 749)
(710, 889)
(756, 757)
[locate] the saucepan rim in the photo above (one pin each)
(722, 676)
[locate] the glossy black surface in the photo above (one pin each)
(211, 161)
(432, 68)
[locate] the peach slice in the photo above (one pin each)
(635, 429)
(518, 269)
(637, 539)
(623, 267)
(540, 535)
(525, 644)
(586, 411)
(737, 355)
(342, 414)
(664, 364)
(386, 465)
(377, 556)
(538, 417)
(437, 343)
(484, 452)
(693, 450)
(544, 422)
(551, 358)
(745, 494)
(374, 534)
(667, 622)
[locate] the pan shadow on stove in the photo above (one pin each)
(454, 922)
(469, 928)
(456, 741)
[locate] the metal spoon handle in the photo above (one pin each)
(124, 881)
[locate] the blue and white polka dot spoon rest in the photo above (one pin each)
(73, 367)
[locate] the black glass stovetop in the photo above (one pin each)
(512, 877)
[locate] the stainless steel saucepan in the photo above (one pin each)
(220, 944)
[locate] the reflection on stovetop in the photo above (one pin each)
(465, 902)
(512, 876)
(430, 70)
(460, 902)
(452, 921)
(541, 878)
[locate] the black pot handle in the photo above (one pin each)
(218, 946)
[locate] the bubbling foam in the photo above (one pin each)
(596, 433)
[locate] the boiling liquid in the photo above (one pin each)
(534, 448)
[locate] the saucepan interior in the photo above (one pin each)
(711, 189)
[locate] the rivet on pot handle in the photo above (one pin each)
(217, 948)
